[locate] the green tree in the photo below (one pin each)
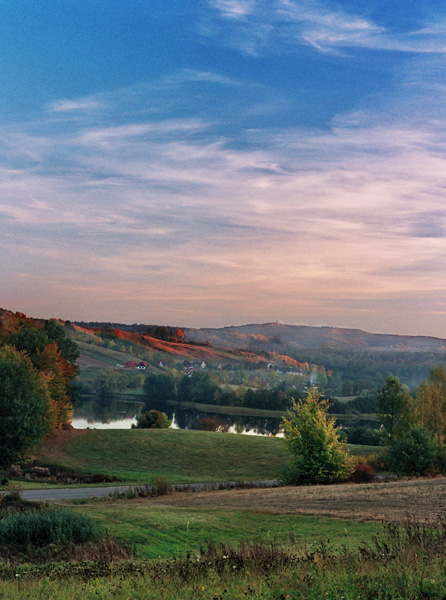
(152, 419)
(200, 388)
(159, 388)
(430, 406)
(393, 405)
(107, 384)
(313, 440)
(414, 453)
(25, 410)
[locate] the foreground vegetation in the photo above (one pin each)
(400, 564)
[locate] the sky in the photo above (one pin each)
(221, 162)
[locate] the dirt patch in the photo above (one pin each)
(53, 446)
(423, 500)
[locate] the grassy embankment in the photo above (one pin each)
(181, 456)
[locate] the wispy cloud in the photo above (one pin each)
(66, 105)
(269, 26)
(234, 9)
(170, 213)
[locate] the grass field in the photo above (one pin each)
(133, 455)
(182, 456)
(320, 559)
(163, 531)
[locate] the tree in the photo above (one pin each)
(414, 453)
(52, 353)
(159, 388)
(152, 419)
(107, 383)
(199, 388)
(393, 405)
(430, 406)
(25, 411)
(313, 439)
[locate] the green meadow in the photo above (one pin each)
(133, 455)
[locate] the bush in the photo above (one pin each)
(414, 453)
(363, 474)
(364, 436)
(160, 485)
(39, 529)
(152, 419)
(15, 490)
(440, 461)
(379, 460)
(211, 424)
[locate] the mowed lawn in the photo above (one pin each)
(134, 455)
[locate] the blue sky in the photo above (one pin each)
(220, 162)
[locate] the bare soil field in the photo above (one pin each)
(421, 500)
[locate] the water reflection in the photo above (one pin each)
(122, 414)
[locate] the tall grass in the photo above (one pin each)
(405, 563)
(38, 529)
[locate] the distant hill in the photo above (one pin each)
(276, 334)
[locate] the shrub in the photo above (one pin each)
(211, 424)
(152, 419)
(364, 436)
(160, 485)
(363, 474)
(379, 460)
(15, 490)
(414, 453)
(39, 529)
(440, 461)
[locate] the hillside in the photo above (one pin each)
(134, 455)
(303, 336)
(348, 354)
(181, 350)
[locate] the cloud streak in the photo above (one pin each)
(269, 26)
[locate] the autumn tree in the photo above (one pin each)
(313, 440)
(52, 353)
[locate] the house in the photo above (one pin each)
(143, 365)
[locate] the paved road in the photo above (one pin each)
(102, 492)
(69, 493)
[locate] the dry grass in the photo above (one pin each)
(423, 499)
